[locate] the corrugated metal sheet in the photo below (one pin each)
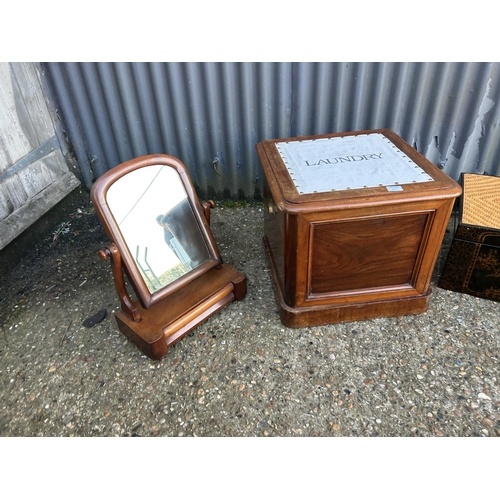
(211, 115)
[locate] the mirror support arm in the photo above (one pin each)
(154, 315)
(207, 206)
(127, 305)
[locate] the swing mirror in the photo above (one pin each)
(161, 241)
(159, 227)
(150, 212)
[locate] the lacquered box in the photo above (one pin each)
(353, 225)
(473, 261)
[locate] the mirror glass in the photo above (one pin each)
(152, 210)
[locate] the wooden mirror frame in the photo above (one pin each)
(158, 319)
(99, 199)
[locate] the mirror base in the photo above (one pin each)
(176, 315)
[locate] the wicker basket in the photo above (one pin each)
(481, 200)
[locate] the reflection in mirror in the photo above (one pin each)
(155, 217)
(161, 241)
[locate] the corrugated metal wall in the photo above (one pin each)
(211, 115)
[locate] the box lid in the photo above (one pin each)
(365, 167)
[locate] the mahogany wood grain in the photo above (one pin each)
(167, 322)
(126, 303)
(341, 259)
(158, 319)
(354, 254)
(98, 196)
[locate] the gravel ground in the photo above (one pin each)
(241, 373)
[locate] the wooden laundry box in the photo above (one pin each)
(473, 262)
(353, 225)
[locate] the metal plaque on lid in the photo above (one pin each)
(348, 162)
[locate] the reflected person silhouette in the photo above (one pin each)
(160, 240)
(183, 236)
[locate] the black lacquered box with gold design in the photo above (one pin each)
(473, 262)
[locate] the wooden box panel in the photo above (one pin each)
(341, 260)
(352, 253)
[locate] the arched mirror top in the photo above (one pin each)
(150, 211)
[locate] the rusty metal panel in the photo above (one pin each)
(211, 115)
